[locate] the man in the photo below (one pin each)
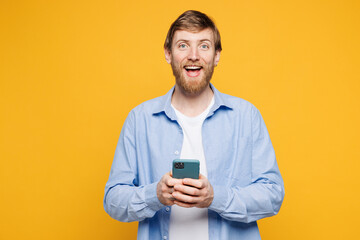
(239, 181)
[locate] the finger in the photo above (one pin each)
(169, 196)
(185, 198)
(170, 190)
(194, 182)
(185, 205)
(169, 180)
(175, 181)
(202, 176)
(187, 190)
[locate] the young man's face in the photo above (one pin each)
(192, 59)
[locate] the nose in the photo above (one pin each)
(194, 54)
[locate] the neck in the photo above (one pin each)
(191, 105)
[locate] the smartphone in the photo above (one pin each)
(186, 168)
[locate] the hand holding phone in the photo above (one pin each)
(193, 193)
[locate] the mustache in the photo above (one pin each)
(191, 63)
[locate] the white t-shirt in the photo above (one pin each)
(191, 223)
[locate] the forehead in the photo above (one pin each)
(206, 34)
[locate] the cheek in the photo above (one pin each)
(208, 58)
(179, 57)
(177, 61)
(210, 63)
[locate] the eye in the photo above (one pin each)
(182, 45)
(204, 46)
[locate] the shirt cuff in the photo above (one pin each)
(220, 200)
(151, 198)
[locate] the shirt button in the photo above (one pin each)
(164, 237)
(167, 209)
(176, 152)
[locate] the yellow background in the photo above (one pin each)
(71, 71)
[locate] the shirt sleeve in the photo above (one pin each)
(124, 200)
(263, 197)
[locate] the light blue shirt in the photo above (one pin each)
(240, 160)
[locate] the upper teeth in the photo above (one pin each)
(192, 67)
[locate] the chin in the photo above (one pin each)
(192, 87)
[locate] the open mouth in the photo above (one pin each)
(193, 70)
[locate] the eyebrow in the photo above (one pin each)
(201, 40)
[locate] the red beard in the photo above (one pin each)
(192, 86)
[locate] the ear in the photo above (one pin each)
(217, 58)
(167, 55)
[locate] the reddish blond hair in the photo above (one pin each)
(193, 21)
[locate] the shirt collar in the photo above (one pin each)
(165, 103)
